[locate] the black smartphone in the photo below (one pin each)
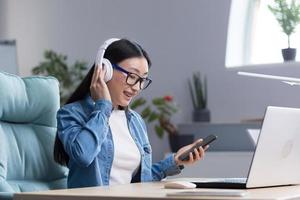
(207, 140)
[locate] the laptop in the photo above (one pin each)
(276, 160)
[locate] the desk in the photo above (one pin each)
(147, 191)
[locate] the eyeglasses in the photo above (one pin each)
(132, 78)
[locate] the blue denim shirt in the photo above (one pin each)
(86, 136)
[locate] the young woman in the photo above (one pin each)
(99, 138)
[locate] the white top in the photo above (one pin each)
(127, 156)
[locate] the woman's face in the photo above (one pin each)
(122, 93)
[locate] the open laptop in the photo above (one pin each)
(276, 160)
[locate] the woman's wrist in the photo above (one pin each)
(177, 162)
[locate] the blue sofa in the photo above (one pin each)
(28, 109)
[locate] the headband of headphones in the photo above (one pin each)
(102, 48)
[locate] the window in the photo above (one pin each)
(254, 35)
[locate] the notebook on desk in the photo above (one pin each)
(276, 160)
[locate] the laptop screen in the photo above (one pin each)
(276, 159)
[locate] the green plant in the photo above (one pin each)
(159, 112)
(198, 91)
(68, 76)
(288, 16)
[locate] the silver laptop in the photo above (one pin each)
(276, 160)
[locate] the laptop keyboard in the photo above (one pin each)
(234, 183)
(233, 180)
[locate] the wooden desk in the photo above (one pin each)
(149, 191)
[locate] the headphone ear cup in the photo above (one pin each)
(109, 70)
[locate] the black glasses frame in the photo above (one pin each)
(146, 80)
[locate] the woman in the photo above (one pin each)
(99, 138)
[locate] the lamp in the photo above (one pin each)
(288, 80)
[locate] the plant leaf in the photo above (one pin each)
(146, 112)
(137, 103)
(158, 101)
(159, 131)
(55, 65)
(152, 117)
(192, 93)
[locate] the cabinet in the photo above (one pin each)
(219, 164)
(231, 136)
(229, 156)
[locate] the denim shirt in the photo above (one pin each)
(86, 136)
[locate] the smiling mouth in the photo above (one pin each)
(128, 95)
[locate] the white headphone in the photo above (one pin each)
(100, 61)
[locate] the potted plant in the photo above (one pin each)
(68, 76)
(288, 17)
(198, 91)
(159, 113)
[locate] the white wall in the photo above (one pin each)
(180, 36)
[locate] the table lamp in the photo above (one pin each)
(288, 80)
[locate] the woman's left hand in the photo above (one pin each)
(198, 152)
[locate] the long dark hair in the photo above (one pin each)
(115, 53)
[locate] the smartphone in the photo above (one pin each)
(207, 140)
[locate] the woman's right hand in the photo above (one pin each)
(98, 87)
